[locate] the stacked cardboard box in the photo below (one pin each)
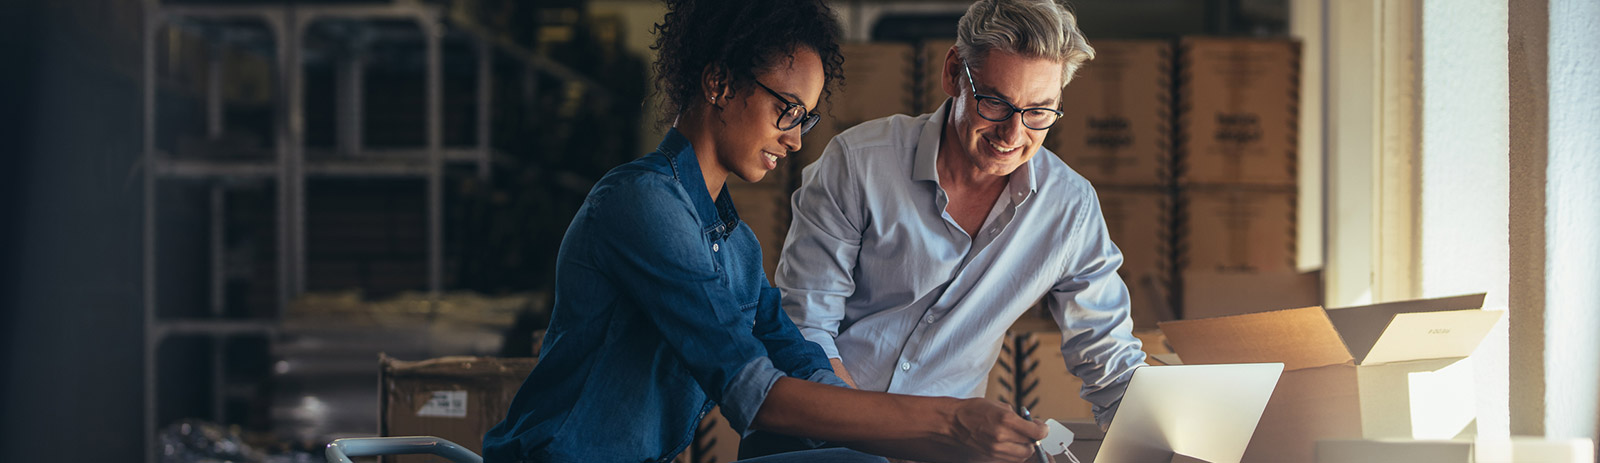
(879, 80)
(930, 73)
(1117, 123)
(1396, 370)
(1116, 131)
(455, 398)
(1139, 220)
(1235, 163)
(1239, 115)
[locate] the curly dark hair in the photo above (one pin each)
(744, 37)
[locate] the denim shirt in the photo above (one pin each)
(662, 310)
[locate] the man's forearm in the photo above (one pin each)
(838, 369)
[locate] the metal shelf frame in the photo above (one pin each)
(290, 166)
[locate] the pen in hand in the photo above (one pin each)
(1043, 458)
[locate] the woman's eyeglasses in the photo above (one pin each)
(794, 113)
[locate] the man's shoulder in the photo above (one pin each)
(897, 131)
(1053, 174)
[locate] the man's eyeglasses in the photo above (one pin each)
(998, 110)
(794, 113)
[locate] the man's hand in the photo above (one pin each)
(838, 369)
(990, 431)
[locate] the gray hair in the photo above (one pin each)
(1030, 28)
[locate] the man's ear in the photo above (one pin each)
(714, 84)
(950, 79)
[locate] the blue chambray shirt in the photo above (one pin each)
(662, 310)
(877, 273)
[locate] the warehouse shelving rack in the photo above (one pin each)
(290, 164)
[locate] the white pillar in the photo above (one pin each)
(1572, 222)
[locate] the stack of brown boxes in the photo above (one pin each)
(879, 80)
(1236, 152)
(1116, 131)
(930, 74)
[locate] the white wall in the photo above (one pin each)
(1572, 223)
(1465, 185)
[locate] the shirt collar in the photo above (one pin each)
(1021, 184)
(719, 214)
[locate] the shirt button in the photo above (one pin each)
(905, 366)
(715, 247)
(930, 319)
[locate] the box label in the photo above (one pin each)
(448, 404)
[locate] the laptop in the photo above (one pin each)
(1189, 413)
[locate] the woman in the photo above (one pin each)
(662, 308)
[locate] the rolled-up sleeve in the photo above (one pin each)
(1090, 304)
(790, 352)
(662, 261)
(816, 272)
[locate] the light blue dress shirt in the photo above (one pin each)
(878, 274)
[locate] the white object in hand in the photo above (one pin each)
(1059, 438)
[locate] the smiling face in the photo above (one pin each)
(979, 147)
(749, 143)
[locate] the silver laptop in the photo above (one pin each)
(1203, 413)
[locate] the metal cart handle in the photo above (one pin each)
(340, 450)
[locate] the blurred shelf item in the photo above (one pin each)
(215, 327)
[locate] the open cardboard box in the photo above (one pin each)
(1394, 370)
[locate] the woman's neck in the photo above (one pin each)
(696, 126)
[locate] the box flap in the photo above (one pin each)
(1432, 335)
(1300, 338)
(1361, 326)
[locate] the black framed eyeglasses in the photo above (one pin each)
(794, 113)
(996, 109)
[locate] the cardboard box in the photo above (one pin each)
(1387, 370)
(879, 81)
(930, 71)
(1238, 116)
(1117, 126)
(1139, 221)
(1209, 294)
(1513, 450)
(1229, 229)
(767, 212)
(455, 398)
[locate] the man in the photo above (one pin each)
(917, 242)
